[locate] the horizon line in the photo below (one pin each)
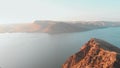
(61, 21)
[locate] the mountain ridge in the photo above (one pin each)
(95, 53)
(57, 27)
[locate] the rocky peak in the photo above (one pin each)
(95, 53)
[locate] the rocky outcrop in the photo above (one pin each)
(95, 53)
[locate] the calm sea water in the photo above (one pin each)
(40, 50)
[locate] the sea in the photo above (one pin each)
(42, 50)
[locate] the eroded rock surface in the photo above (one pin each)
(95, 53)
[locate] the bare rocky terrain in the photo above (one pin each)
(95, 53)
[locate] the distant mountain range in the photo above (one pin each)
(57, 27)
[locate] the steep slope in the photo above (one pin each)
(95, 53)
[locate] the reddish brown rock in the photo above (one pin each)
(95, 53)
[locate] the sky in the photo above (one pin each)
(19, 11)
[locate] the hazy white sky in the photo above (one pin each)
(18, 11)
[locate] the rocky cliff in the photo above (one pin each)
(95, 53)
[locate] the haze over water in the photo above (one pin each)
(40, 50)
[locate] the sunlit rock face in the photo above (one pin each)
(95, 53)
